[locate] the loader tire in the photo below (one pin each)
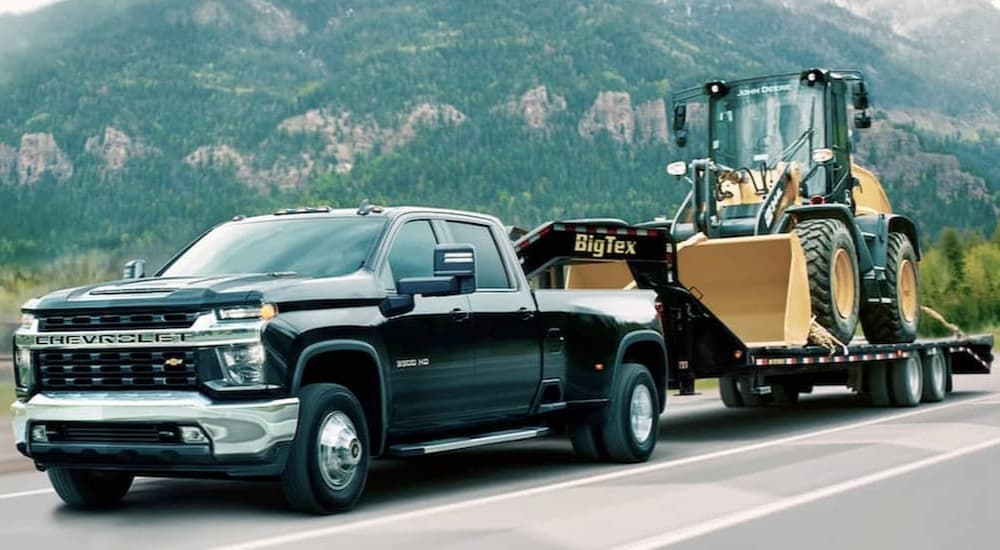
(832, 264)
(895, 322)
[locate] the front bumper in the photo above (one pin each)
(240, 434)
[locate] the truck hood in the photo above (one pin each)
(208, 292)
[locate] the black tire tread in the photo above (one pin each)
(614, 432)
(883, 323)
(816, 237)
(89, 489)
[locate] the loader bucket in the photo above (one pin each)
(599, 275)
(758, 286)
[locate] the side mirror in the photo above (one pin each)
(134, 269)
(862, 120)
(454, 273)
(860, 96)
(680, 124)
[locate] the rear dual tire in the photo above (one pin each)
(626, 429)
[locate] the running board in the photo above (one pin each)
(456, 443)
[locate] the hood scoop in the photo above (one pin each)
(127, 291)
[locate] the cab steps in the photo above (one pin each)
(457, 443)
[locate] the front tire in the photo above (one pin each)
(895, 322)
(631, 421)
(327, 468)
(832, 264)
(86, 489)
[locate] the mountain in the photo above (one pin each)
(132, 125)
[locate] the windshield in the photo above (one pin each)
(314, 247)
(766, 123)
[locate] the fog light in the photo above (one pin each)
(193, 435)
(39, 434)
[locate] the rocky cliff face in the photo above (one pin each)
(37, 156)
(114, 147)
(537, 106)
(612, 112)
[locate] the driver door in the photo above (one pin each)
(431, 348)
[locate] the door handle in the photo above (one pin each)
(526, 314)
(458, 315)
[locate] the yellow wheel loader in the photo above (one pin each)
(782, 226)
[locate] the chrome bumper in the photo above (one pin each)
(234, 428)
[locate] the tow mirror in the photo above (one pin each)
(680, 124)
(862, 120)
(860, 96)
(134, 269)
(454, 273)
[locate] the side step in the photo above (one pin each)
(456, 443)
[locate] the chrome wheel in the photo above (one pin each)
(641, 413)
(339, 450)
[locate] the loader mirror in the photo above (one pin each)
(680, 124)
(862, 120)
(860, 96)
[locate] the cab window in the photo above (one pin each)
(490, 271)
(412, 251)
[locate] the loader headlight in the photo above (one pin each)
(678, 168)
(822, 156)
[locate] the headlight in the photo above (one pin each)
(23, 373)
(27, 320)
(264, 311)
(242, 365)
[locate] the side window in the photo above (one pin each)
(412, 251)
(490, 272)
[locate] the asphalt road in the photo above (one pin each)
(828, 473)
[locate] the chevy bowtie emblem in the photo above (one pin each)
(173, 362)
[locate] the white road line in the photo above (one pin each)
(31, 493)
(308, 534)
(699, 529)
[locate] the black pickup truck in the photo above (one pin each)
(300, 345)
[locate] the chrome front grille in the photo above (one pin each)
(167, 369)
(117, 321)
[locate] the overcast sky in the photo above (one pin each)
(20, 6)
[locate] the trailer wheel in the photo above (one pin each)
(328, 465)
(935, 377)
(877, 384)
(906, 378)
(749, 398)
(89, 488)
(631, 420)
(896, 321)
(948, 386)
(729, 391)
(785, 393)
(832, 263)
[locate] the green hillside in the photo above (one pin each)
(130, 126)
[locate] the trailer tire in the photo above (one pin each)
(832, 264)
(327, 468)
(906, 377)
(729, 392)
(785, 394)
(88, 489)
(877, 384)
(948, 379)
(895, 322)
(935, 377)
(749, 398)
(631, 419)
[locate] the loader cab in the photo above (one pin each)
(759, 131)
